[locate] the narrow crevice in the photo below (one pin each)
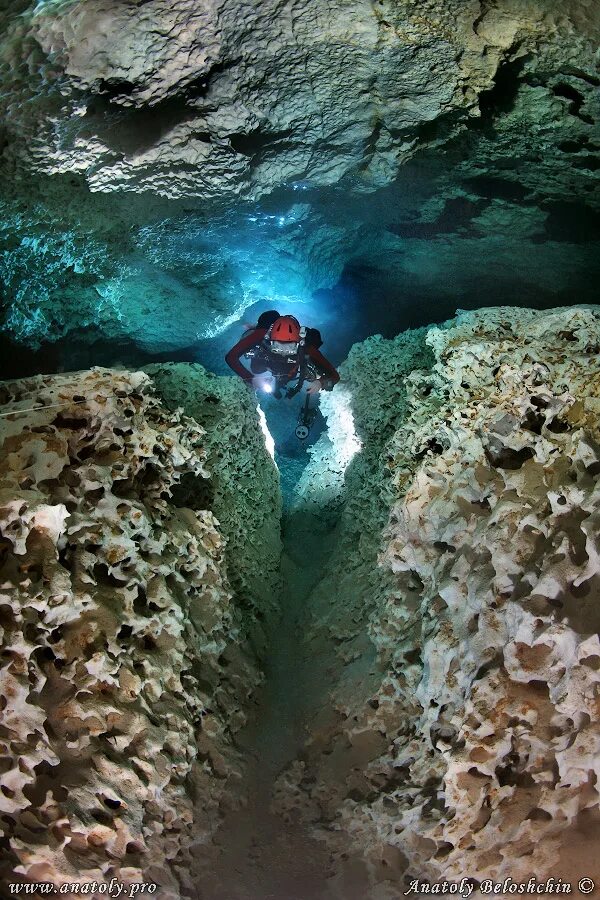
(258, 853)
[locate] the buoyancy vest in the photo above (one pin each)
(290, 365)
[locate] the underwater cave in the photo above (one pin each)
(241, 661)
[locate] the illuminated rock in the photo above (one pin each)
(240, 144)
(229, 101)
(244, 491)
(126, 667)
(467, 744)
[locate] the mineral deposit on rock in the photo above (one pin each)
(230, 99)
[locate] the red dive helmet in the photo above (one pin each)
(286, 329)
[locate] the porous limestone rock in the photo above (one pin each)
(465, 741)
(480, 119)
(71, 260)
(244, 486)
(147, 273)
(320, 489)
(124, 674)
(350, 491)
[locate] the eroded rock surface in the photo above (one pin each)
(125, 663)
(269, 149)
(244, 489)
(466, 741)
(231, 100)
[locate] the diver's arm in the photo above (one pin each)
(252, 339)
(322, 363)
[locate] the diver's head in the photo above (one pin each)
(285, 335)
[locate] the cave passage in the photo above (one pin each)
(264, 851)
(379, 657)
(260, 853)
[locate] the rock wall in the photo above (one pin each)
(463, 741)
(74, 260)
(244, 486)
(125, 667)
(346, 493)
(240, 141)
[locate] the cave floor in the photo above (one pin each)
(258, 855)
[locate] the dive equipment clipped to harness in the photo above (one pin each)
(282, 360)
(286, 359)
(306, 419)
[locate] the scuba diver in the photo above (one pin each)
(281, 351)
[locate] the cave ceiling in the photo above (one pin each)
(166, 166)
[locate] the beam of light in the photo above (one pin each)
(269, 441)
(321, 484)
(337, 409)
(264, 383)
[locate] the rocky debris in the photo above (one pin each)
(469, 743)
(124, 674)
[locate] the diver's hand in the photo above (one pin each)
(258, 382)
(314, 387)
